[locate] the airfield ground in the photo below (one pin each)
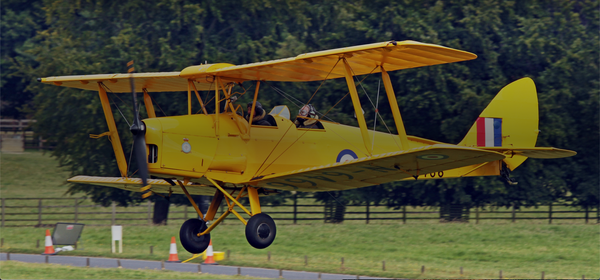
(21, 270)
(522, 250)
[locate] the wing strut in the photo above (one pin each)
(357, 108)
(149, 105)
(217, 108)
(253, 106)
(395, 110)
(114, 134)
(191, 200)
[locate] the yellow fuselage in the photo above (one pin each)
(193, 146)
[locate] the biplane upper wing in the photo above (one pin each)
(322, 65)
(153, 82)
(314, 66)
(378, 169)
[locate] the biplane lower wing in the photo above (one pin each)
(533, 152)
(378, 169)
(133, 184)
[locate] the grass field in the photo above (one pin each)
(521, 250)
(31, 174)
(21, 270)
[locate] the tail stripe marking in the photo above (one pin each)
(497, 132)
(481, 132)
(489, 132)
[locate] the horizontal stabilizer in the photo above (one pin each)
(535, 152)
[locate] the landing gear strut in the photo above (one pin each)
(505, 173)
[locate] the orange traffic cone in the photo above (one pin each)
(49, 247)
(209, 254)
(173, 251)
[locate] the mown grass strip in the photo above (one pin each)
(521, 251)
(22, 270)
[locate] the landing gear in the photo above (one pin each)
(260, 228)
(188, 235)
(260, 231)
(505, 173)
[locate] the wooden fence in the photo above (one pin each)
(17, 135)
(44, 212)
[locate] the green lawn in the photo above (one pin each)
(521, 250)
(21, 270)
(31, 174)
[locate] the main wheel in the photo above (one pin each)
(188, 234)
(260, 231)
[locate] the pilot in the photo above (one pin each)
(259, 114)
(307, 117)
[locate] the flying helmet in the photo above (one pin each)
(307, 111)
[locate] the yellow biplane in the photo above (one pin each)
(224, 155)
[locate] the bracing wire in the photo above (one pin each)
(360, 83)
(295, 101)
(376, 111)
(324, 115)
(319, 87)
(113, 101)
(313, 95)
(287, 96)
(154, 102)
(130, 156)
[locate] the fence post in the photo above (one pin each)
(295, 207)
(185, 212)
(222, 207)
(114, 212)
(40, 212)
(586, 214)
(22, 132)
(514, 213)
(149, 213)
(404, 214)
(3, 210)
(76, 210)
(368, 202)
(40, 144)
(550, 213)
(476, 214)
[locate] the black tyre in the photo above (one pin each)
(188, 235)
(260, 231)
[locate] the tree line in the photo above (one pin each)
(553, 42)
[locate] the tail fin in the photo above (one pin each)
(509, 121)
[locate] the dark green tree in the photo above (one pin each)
(553, 42)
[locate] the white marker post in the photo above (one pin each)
(117, 235)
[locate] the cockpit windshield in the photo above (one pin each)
(282, 111)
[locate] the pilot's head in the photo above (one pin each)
(258, 110)
(307, 111)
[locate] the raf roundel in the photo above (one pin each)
(346, 155)
(186, 147)
(433, 157)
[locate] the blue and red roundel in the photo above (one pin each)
(346, 155)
